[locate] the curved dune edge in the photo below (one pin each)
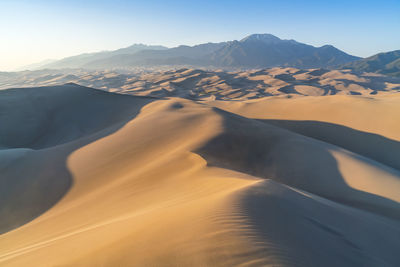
(182, 183)
(374, 114)
(41, 127)
(368, 126)
(218, 84)
(150, 189)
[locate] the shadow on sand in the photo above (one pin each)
(34, 175)
(266, 151)
(373, 146)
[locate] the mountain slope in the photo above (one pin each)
(262, 51)
(81, 60)
(36, 66)
(383, 63)
(254, 51)
(181, 55)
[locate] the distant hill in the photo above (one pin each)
(35, 66)
(254, 51)
(197, 55)
(383, 63)
(81, 60)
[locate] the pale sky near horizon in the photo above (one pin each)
(36, 30)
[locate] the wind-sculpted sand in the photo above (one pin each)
(220, 85)
(94, 178)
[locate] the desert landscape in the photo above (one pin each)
(199, 134)
(188, 167)
(200, 84)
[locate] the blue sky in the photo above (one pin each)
(32, 31)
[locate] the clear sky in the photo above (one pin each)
(35, 30)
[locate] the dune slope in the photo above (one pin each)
(118, 180)
(41, 127)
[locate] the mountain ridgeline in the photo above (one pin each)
(382, 63)
(254, 51)
(80, 61)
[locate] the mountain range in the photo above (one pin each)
(254, 51)
(82, 60)
(382, 63)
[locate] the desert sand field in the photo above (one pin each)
(277, 167)
(197, 84)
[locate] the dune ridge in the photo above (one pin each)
(131, 180)
(197, 84)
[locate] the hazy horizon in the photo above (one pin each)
(41, 30)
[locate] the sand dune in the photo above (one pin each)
(366, 125)
(221, 85)
(93, 178)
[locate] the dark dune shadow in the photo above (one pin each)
(115, 82)
(301, 71)
(288, 89)
(265, 151)
(373, 146)
(318, 72)
(46, 78)
(190, 83)
(238, 84)
(374, 83)
(305, 231)
(285, 77)
(314, 81)
(33, 171)
(259, 72)
(355, 93)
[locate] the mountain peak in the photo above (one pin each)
(266, 38)
(253, 51)
(328, 47)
